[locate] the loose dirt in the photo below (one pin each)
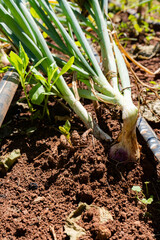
(51, 178)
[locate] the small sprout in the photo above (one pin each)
(65, 131)
(147, 193)
(42, 87)
(147, 201)
(136, 189)
(144, 200)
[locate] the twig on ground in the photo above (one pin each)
(153, 89)
(123, 51)
(52, 231)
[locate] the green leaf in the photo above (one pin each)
(37, 115)
(153, 82)
(51, 72)
(63, 130)
(36, 94)
(147, 201)
(136, 188)
(49, 93)
(17, 63)
(66, 67)
(146, 182)
(137, 28)
(38, 63)
(39, 77)
(67, 126)
(143, 2)
(23, 56)
(33, 68)
(4, 69)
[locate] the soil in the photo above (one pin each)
(51, 178)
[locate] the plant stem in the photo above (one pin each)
(128, 148)
(106, 46)
(45, 108)
(26, 95)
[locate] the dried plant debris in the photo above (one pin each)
(8, 160)
(151, 112)
(72, 229)
(99, 216)
(146, 52)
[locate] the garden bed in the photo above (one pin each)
(51, 178)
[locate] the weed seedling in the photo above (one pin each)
(144, 200)
(41, 87)
(20, 63)
(65, 130)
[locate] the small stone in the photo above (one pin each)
(38, 200)
(20, 189)
(137, 223)
(33, 186)
(84, 177)
(123, 216)
(26, 204)
(103, 232)
(122, 233)
(25, 212)
(99, 158)
(2, 196)
(116, 209)
(33, 195)
(46, 211)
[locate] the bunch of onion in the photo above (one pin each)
(18, 24)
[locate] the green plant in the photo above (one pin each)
(102, 85)
(3, 69)
(65, 130)
(142, 13)
(20, 63)
(144, 200)
(44, 87)
(41, 87)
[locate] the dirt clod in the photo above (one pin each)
(51, 178)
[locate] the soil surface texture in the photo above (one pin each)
(50, 178)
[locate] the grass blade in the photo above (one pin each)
(20, 18)
(51, 30)
(106, 47)
(80, 35)
(123, 72)
(65, 35)
(20, 34)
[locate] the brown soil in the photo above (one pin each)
(51, 178)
